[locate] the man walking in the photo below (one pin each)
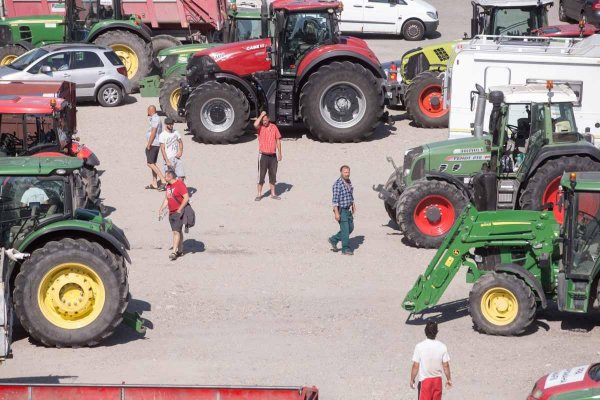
(343, 211)
(429, 359)
(153, 147)
(171, 148)
(176, 200)
(269, 148)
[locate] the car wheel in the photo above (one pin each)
(413, 30)
(110, 95)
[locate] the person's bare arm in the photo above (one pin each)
(279, 155)
(180, 152)
(164, 154)
(446, 367)
(151, 138)
(163, 205)
(186, 199)
(258, 120)
(413, 374)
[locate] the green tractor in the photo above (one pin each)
(535, 260)
(243, 23)
(69, 272)
(532, 140)
(422, 68)
(84, 21)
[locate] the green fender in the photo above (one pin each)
(177, 69)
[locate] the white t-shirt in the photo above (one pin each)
(171, 142)
(34, 195)
(154, 122)
(430, 354)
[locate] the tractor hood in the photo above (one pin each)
(458, 157)
(33, 19)
(185, 49)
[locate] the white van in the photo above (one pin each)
(411, 18)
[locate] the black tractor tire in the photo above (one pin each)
(79, 193)
(161, 42)
(533, 197)
(110, 95)
(410, 201)
(562, 15)
(137, 45)
(9, 53)
(391, 186)
(424, 85)
(357, 79)
(413, 30)
(216, 94)
(169, 96)
(109, 269)
(505, 285)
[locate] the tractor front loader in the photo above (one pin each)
(536, 260)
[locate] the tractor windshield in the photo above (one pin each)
(516, 21)
(26, 59)
(24, 134)
(247, 29)
(26, 202)
(563, 122)
(303, 32)
(91, 11)
(585, 231)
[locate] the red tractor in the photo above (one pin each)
(302, 70)
(38, 118)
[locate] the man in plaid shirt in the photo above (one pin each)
(343, 209)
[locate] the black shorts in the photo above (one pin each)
(152, 154)
(176, 221)
(267, 162)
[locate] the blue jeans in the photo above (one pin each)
(346, 228)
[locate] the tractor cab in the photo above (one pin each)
(82, 15)
(509, 17)
(244, 22)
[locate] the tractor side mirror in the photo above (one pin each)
(46, 69)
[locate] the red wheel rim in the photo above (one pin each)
(427, 104)
(434, 215)
(551, 196)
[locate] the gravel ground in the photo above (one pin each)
(260, 300)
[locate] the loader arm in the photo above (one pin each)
(532, 231)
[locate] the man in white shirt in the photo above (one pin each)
(171, 147)
(33, 195)
(152, 149)
(430, 358)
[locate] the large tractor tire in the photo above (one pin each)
(424, 101)
(133, 52)
(391, 186)
(161, 42)
(71, 293)
(87, 189)
(501, 304)
(9, 53)
(341, 102)
(543, 187)
(217, 113)
(170, 92)
(426, 211)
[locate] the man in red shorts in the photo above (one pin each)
(269, 148)
(429, 360)
(176, 199)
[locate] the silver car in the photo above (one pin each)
(96, 70)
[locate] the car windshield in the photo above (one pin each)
(26, 201)
(27, 59)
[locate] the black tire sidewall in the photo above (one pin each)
(391, 186)
(11, 49)
(44, 330)
(164, 99)
(101, 92)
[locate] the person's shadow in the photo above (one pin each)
(193, 246)
(356, 241)
(280, 188)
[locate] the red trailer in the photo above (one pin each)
(153, 392)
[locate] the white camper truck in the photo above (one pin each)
(496, 60)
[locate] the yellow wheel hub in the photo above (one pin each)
(8, 59)
(499, 306)
(128, 57)
(174, 98)
(71, 295)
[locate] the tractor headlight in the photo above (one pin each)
(432, 15)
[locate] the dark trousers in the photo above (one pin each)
(346, 228)
(267, 162)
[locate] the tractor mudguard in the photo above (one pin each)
(112, 241)
(24, 44)
(245, 86)
(339, 54)
(119, 26)
(442, 176)
(527, 276)
(547, 153)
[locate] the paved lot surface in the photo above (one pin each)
(259, 299)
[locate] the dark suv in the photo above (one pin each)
(574, 10)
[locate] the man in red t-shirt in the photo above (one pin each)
(176, 200)
(269, 148)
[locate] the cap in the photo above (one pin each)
(169, 121)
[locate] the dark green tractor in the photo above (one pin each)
(68, 265)
(84, 21)
(532, 140)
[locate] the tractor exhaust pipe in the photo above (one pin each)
(480, 112)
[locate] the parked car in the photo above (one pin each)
(410, 18)
(97, 71)
(573, 10)
(581, 383)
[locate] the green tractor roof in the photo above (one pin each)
(36, 166)
(584, 181)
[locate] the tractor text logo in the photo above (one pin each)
(468, 151)
(475, 157)
(219, 56)
(255, 47)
